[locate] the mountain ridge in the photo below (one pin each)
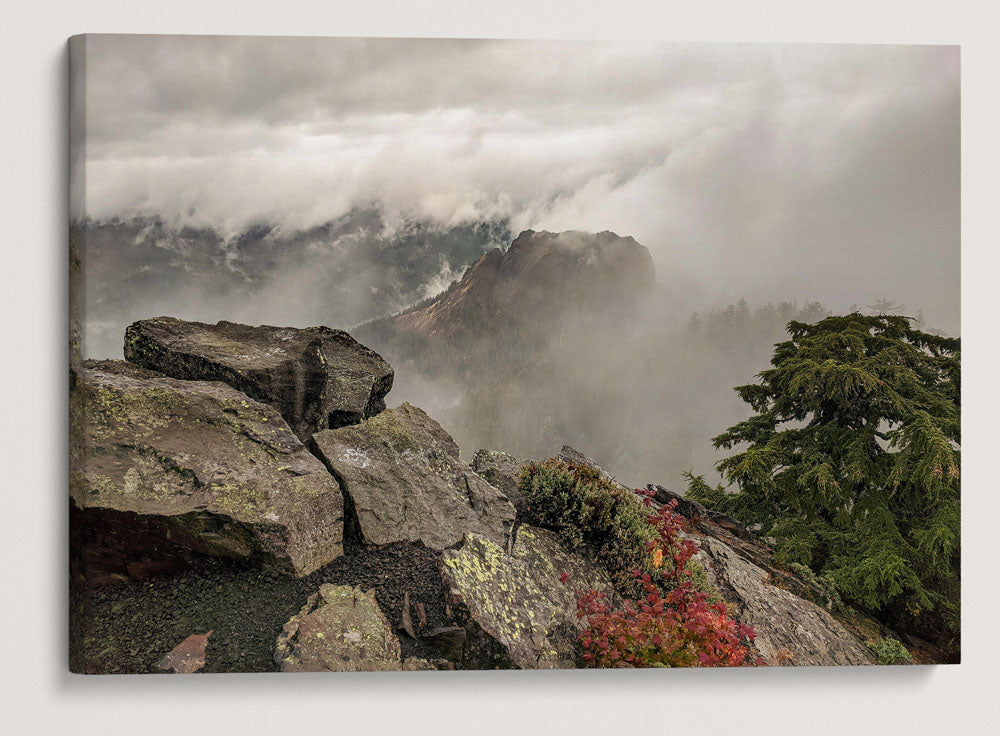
(540, 274)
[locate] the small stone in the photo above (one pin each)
(340, 629)
(188, 656)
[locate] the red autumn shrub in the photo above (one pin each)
(673, 625)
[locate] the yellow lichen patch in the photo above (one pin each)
(385, 427)
(241, 501)
(342, 629)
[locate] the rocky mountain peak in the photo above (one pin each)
(541, 276)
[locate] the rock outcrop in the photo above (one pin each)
(340, 629)
(210, 469)
(165, 469)
(404, 482)
(790, 630)
(317, 377)
(789, 614)
(516, 609)
(542, 273)
(502, 471)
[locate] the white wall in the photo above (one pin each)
(37, 692)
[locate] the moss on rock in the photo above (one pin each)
(340, 629)
(224, 473)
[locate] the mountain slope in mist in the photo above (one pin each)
(349, 270)
(541, 275)
(567, 339)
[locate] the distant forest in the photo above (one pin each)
(644, 396)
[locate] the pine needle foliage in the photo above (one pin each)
(851, 462)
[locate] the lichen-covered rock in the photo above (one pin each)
(340, 629)
(503, 472)
(206, 466)
(316, 377)
(790, 630)
(406, 483)
(515, 607)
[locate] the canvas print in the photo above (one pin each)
(443, 354)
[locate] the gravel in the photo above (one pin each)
(130, 627)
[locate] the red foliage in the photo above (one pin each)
(679, 628)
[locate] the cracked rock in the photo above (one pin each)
(516, 610)
(403, 476)
(316, 377)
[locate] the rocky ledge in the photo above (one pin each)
(242, 500)
(317, 378)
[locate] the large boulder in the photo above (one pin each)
(316, 377)
(790, 630)
(340, 629)
(201, 464)
(406, 483)
(515, 607)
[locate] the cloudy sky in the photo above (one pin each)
(763, 171)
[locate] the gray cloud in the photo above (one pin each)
(766, 171)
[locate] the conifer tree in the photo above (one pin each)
(851, 462)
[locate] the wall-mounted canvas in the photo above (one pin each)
(430, 354)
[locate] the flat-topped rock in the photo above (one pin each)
(402, 473)
(208, 467)
(317, 377)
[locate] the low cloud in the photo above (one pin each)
(827, 172)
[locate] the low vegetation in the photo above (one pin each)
(681, 628)
(588, 510)
(664, 618)
(890, 651)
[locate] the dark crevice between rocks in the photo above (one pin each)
(354, 540)
(341, 418)
(470, 497)
(301, 407)
(376, 400)
(395, 571)
(512, 534)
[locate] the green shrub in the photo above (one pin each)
(890, 651)
(824, 582)
(712, 497)
(586, 509)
